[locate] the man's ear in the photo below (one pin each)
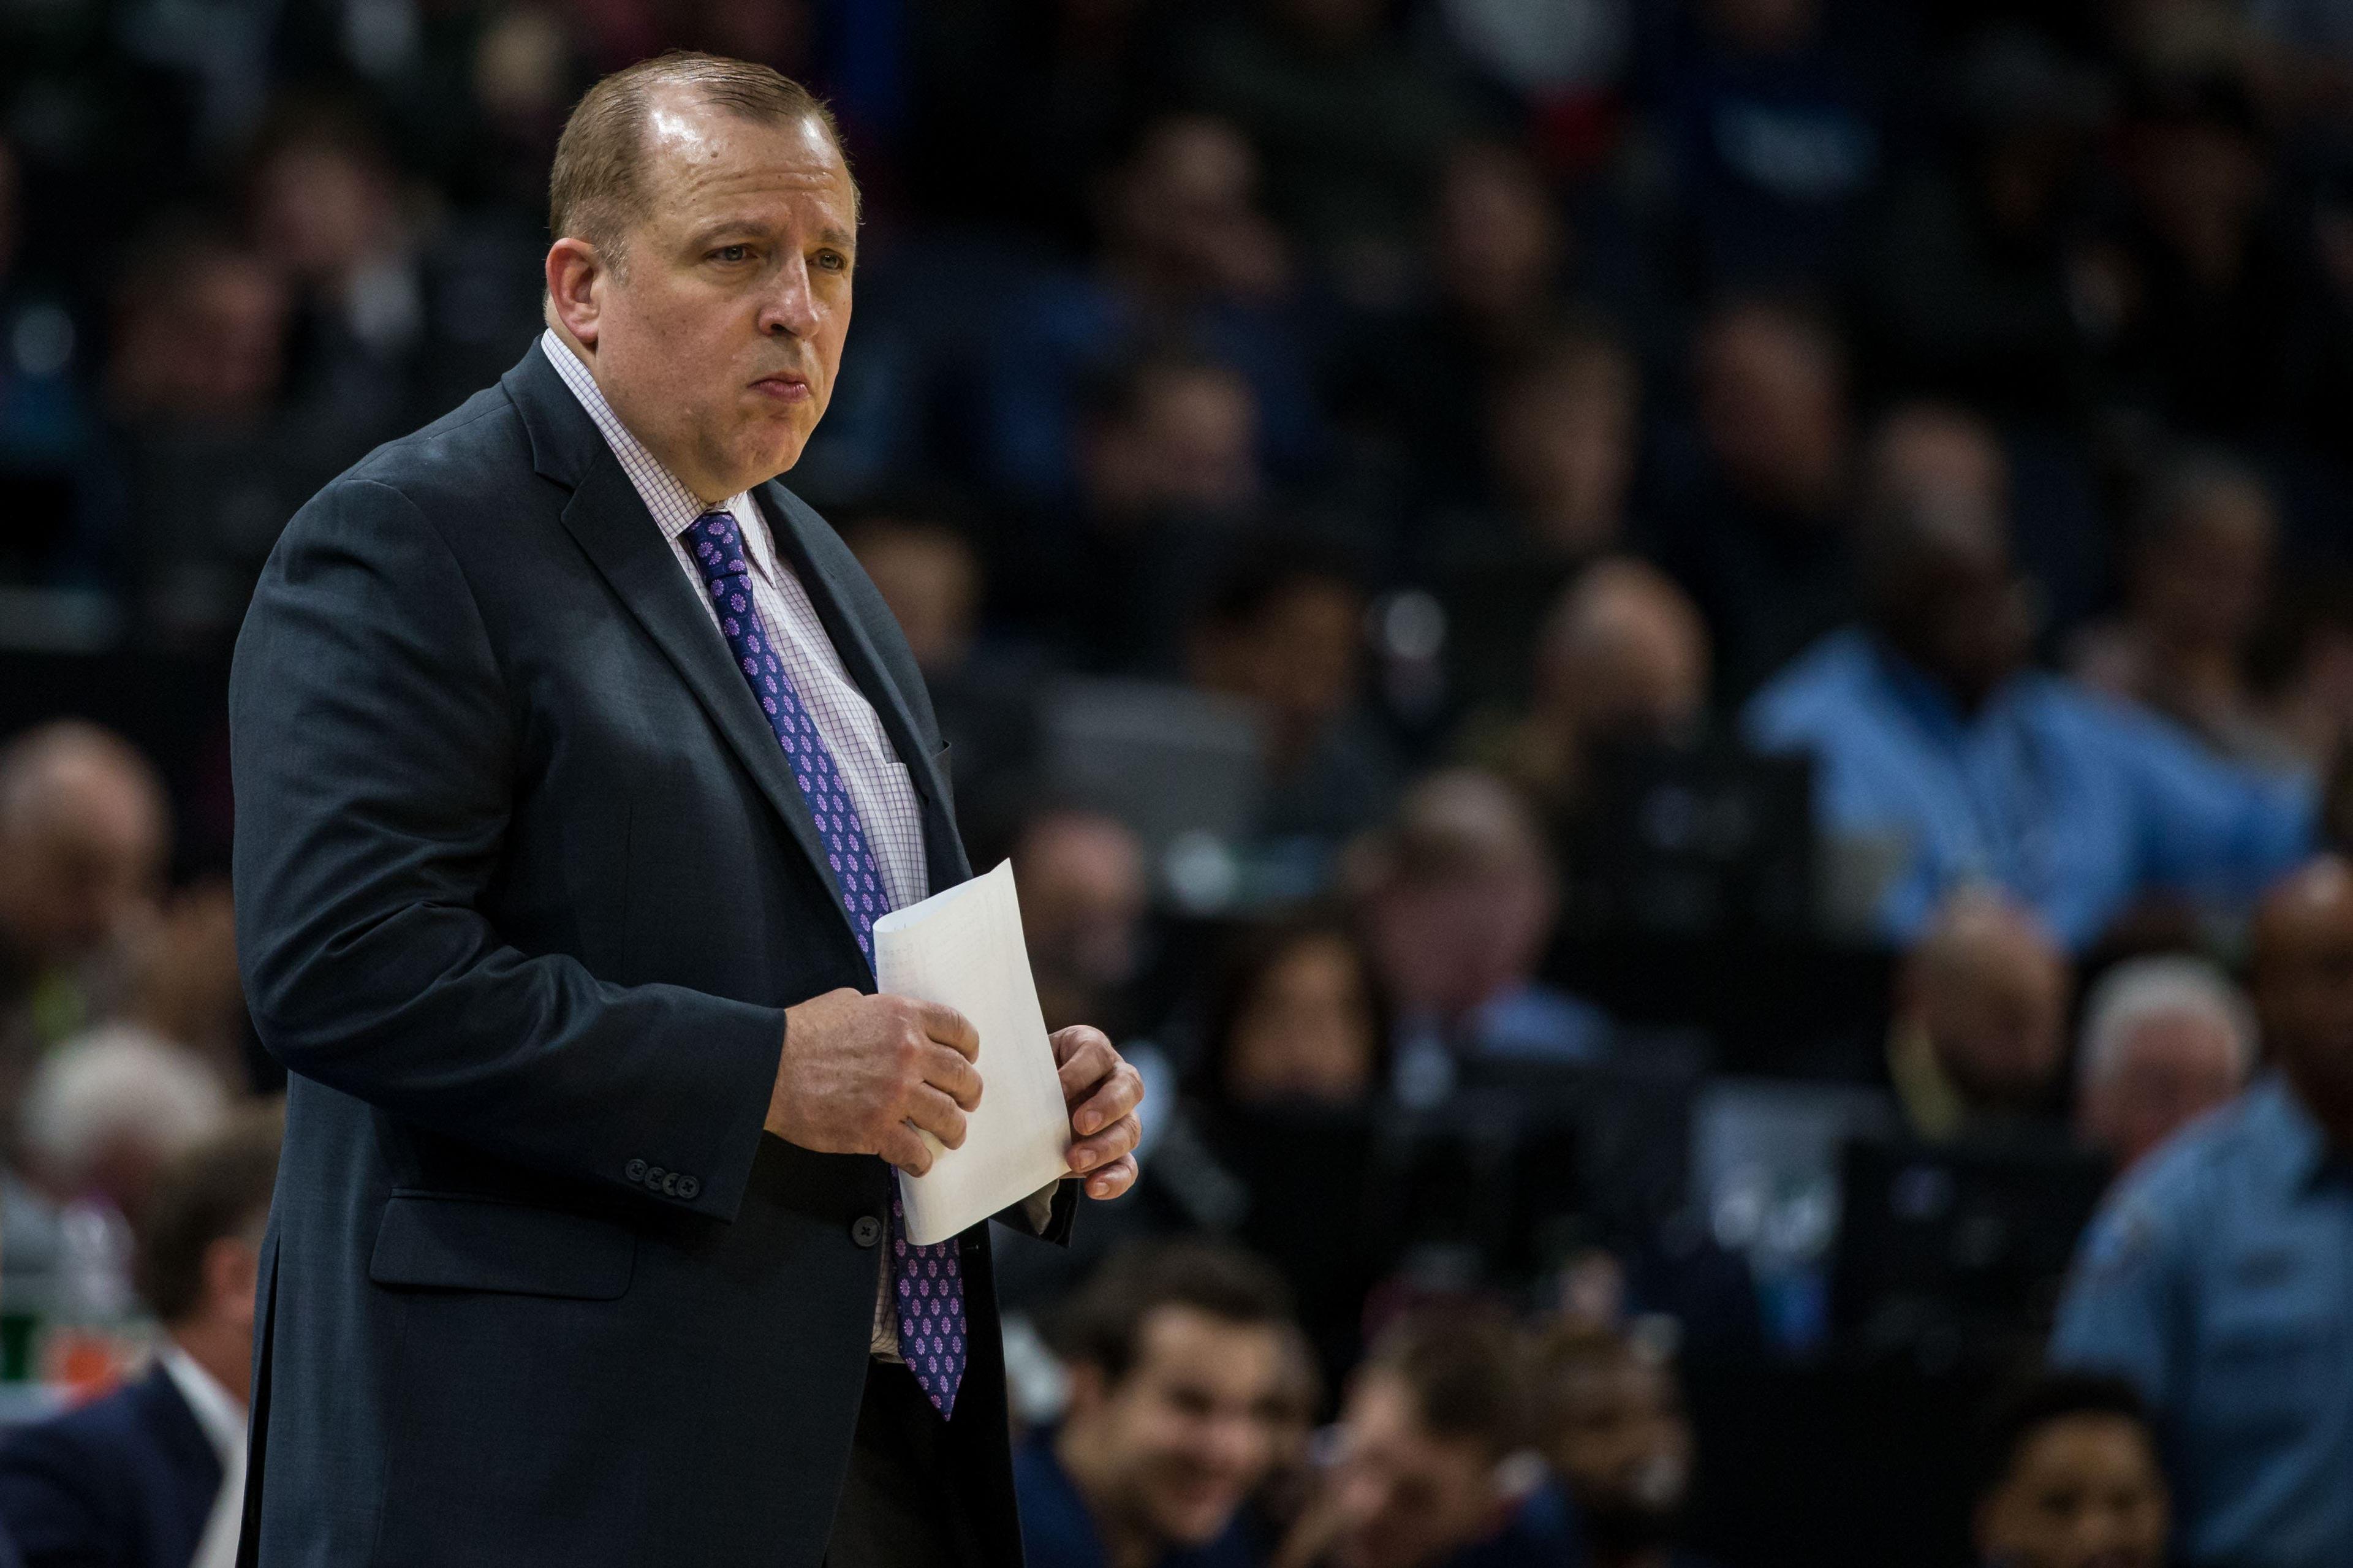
(576, 276)
(232, 1274)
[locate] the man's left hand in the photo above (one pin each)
(1101, 1092)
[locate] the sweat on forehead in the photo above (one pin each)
(597, 189)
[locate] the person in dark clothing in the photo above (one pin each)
(153, 1476)
(1177, 1354)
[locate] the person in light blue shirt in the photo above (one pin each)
(2218, 1275)
(1939, 750)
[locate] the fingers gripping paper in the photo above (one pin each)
(963, 949)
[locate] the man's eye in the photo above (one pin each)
(833, 260)
(731, 253)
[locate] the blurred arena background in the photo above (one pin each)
(1705, 619)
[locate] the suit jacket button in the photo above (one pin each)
(635, 1170)
(687, 1188)
(867, 1231)
(670, 1185)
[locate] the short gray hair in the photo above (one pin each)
(2143, 988)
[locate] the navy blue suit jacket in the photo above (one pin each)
(523, 887)
(127, 1481)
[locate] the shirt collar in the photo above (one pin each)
(2290, 1138)
(216, 1410)
(674, 506)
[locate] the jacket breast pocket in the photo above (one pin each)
(450, 1241)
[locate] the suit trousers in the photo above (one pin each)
(903, 1502)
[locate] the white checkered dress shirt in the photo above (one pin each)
(862, 753)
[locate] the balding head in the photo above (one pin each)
(1624, 653)
(1990, 988)
(84, 835)
(2303, 943)
(1934, 454)
(1459, 893)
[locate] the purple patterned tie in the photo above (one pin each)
(926, 1281)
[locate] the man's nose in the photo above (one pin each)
(790, 308)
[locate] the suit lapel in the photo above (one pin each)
(790, 523)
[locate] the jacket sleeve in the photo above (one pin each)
(372, 744)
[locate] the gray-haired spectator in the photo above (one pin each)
(109, 1107)
(2164, 1039)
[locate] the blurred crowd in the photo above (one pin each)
(1682, 670)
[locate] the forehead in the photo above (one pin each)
(704, 162)
(1187, 1342)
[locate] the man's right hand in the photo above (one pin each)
(858, 1071)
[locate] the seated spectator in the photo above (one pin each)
(1301, 1019)
(1968, 276)
(1623, 657)
(1423, 381)
(1756, 525)
(85, 832)
(1187, 259)
(1427, 1472)
(2214, 1275)
(2074, 1480)
(1459, 897)
(1305, 80)
(2203, 292)
(1616, 1435)
(153, 1476)
(2195, 583)
(1170, 474)
(1980, 1021)
(1283, 631)
(109, 1107)
(1941, 753)
(1084, 893)
(1562, 433)
(928, 576)
(1178, 1355)
(2164, 1040)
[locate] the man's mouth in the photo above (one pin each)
(784, 386)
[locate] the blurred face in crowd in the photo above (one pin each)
(2164, 1069)
(1083, 891)
(2083, 1491)
(2200, 183)
(1991, 990)
(1955, 603)
(2303, 987)
(1772, 405)
(1184, 209)
(717, 328)
(1169, 1452)
(1408, 1497)
(1624, 657)
(1564, 448)
(1296, 659)
(83, 837)
(1621, 1445)
(1188, 444)
(1463, 904)
(1928, 455)
(320, 210)
(1305, 1031)
(208, 348)
(2200, 582)
(930, 578)
(1500, 237)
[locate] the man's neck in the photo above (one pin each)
(1125, 1543)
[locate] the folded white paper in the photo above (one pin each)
(963, 948)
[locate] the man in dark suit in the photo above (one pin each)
(574, 759)
(150, 1477)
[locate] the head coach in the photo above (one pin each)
(575, 758)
